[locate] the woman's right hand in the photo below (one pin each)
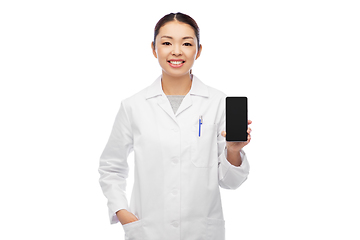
(126, 217)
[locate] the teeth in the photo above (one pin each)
(176, 62)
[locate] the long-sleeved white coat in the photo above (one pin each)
(176, 191)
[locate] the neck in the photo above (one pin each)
(176, 85)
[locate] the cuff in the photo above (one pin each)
(230, 176)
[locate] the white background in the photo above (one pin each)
(66, 65)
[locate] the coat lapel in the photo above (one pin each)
(198, 88)
(185, 103)
(164, 103)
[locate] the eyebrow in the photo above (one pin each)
(188, 37)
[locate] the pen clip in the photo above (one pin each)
(200, 122)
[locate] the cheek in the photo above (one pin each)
(191, 53)
(162, 53)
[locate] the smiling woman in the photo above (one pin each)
(174, 126)
(176, 46)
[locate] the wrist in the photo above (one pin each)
(120, 212)
(231, 150)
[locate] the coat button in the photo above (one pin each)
(175, 160)
(175, 224)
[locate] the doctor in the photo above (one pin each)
(179, 163)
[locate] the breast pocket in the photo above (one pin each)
(204, 147)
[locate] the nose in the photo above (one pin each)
(176, 50)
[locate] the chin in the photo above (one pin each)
(177, 74)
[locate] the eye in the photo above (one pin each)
(188, 44)
(166, 43)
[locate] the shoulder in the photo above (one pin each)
(216, 93)
(203, 89)
(217, 98)
(137, 98)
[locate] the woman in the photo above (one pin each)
(178, 167)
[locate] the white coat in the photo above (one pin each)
(176, 191)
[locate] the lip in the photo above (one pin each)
(176, 60)
(176, 65)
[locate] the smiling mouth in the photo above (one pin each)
(176, 62)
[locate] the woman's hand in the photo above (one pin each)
(237, 146)
(126, 217)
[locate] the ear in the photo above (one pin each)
(153, 49)
(199, 52)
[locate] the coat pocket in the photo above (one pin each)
(134, 230)
(215, 229)
(204, 147)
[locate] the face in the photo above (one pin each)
(176, 48)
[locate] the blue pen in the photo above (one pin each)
(200, 122)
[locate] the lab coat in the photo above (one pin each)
(177, 173)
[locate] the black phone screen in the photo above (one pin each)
(236, 119)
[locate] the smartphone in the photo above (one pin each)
(236, 119)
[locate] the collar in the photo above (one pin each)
(197, 88)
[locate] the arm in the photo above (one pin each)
(234, 157)
(113, 166)
(232, 161)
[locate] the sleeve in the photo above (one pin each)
(113, 166)
(230, 176)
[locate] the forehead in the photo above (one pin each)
(176, 30)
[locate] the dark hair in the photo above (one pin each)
(177, 17)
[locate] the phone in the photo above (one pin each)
(236, 119)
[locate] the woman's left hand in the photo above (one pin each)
(237, 146)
